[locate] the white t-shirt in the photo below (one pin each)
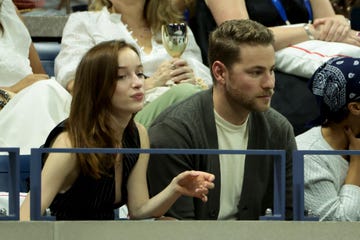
(231, 137)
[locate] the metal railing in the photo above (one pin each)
(279, 172)
(278, 211)
(14, 182)
(298, 180)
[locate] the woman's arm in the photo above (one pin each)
(227, 10)
(76, 41)
(236, 9)
(322, 8)
(33, 55)
(327, 26)
(190, 183)
(353, 175)
(58, 174)
(35, 62)
(323, 193)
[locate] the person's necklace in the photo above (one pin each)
(140, 32)
(142, 35)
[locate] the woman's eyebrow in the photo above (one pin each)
(124, 67)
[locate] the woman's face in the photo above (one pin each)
(128, 97)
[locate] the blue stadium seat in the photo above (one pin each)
(47, 52)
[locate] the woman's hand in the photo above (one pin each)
(353, 176)
(353, 38)
(173, 71)
(332, 29)
(27, 81)
(354, 142)
(182, 73)
(161, 76)
(194, 184)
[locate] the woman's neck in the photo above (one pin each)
(335, 136)
(132, 12)
(119, 123)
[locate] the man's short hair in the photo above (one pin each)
(226, 40)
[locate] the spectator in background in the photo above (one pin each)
(234, 114)
(326, 26)
(332, 182)
(108, 91)
(292, 93)
(30, 107)
(139, 23)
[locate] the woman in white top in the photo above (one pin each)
(36, 106)
(138, 22)
(332, 182)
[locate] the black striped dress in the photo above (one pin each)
(90, 198)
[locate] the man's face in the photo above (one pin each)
(250, 83)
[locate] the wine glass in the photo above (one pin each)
(174, 38)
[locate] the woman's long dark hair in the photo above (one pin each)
(89, 123)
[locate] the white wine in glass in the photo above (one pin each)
(174, 38)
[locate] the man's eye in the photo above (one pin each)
(255, 73)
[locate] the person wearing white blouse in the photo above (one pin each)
(31, 104)
(139, 23)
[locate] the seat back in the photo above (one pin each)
(47, 52)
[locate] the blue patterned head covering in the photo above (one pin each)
(335, 84)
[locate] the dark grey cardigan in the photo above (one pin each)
(190, 124)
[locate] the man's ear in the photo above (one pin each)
(354, 108)
(219, 71)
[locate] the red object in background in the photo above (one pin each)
(28, 4)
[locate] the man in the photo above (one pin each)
(332, 182)
(234, 114)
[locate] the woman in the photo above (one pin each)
(332, 182)
(326, 25)
(139, 23)
(108, 91)
(30, 107)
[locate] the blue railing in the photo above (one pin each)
(13, 168)
(278, 212)
(10, 161)
(279, 172)
(298, 179)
